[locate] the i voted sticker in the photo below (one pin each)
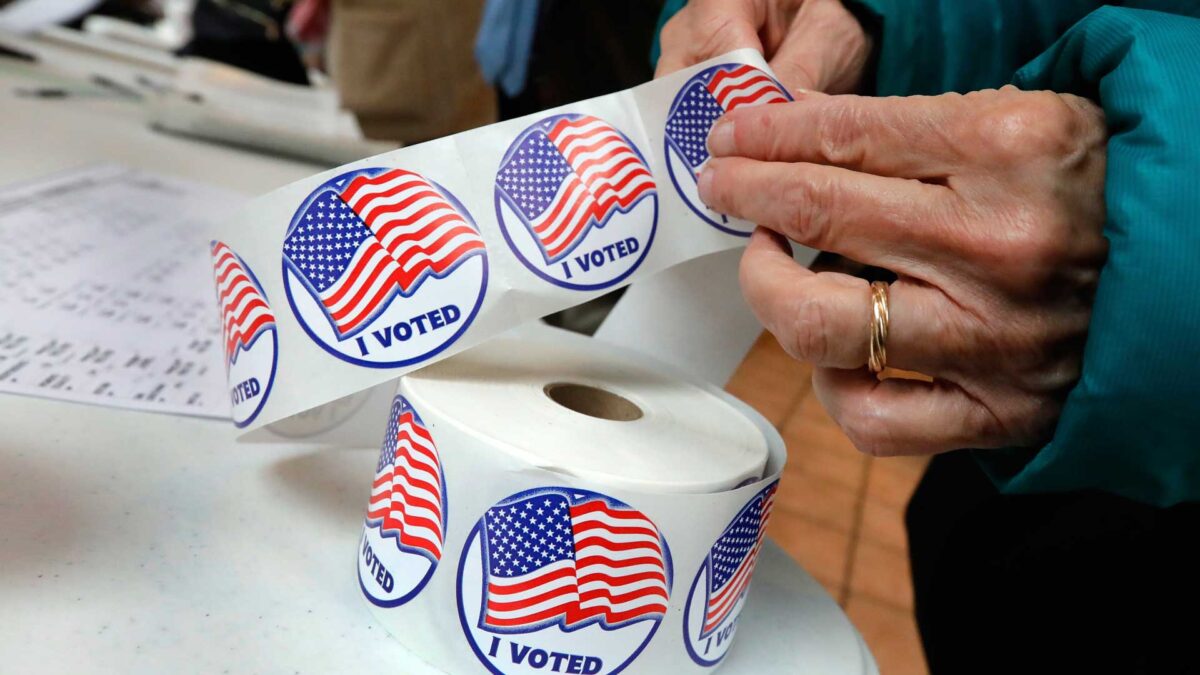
(576, 202)
(704, 98)
(718, 593)
(248, 331)
(559, 580)
(405, 528)
(384, 267)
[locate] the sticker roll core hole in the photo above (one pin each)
(593, 401)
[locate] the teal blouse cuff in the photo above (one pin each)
(1131, 426)
(936, 46)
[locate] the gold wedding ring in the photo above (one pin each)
(877, 353)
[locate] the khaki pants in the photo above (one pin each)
(406, 68)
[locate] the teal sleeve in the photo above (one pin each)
(936, 46)
(1132, 424)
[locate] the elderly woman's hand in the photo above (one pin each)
(989, 207)
(810, 44)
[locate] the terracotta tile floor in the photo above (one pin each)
(839, 513)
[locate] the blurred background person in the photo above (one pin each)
(406, 68)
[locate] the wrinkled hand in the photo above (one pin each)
(989, 207)
(810, 44)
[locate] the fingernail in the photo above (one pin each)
(720, 138)
(704, 182)
(800, 93)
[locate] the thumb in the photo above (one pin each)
(707, 28)
(825, 49)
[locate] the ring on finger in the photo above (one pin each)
(877, 350)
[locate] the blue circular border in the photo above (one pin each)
(513, 247)
(667, 151)
(445, 523)
(687, 610)
(274, 339)
(287, 288)
(398, 601)
(687, 607)
(462, 562)
(270, 381)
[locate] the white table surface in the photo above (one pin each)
(136, 542)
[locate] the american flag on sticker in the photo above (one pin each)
(571, 559)
(732, 559)
(707, 98)
(407, 498)
(245, 314)
(568, 175)
(368, 238)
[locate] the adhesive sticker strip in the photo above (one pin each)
(385, 265)
(494, 544)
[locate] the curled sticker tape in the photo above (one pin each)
(382, 266)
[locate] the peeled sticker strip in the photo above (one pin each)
(385, 265)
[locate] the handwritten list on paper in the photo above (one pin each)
(108, 292)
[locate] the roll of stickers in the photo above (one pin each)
(558, 506)
(344, 281)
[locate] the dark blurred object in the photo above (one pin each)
(406, 67)
(1064, 583)
(248, 34)
(141, 12)
(585, 48)
(832, 262)
(7, 52)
